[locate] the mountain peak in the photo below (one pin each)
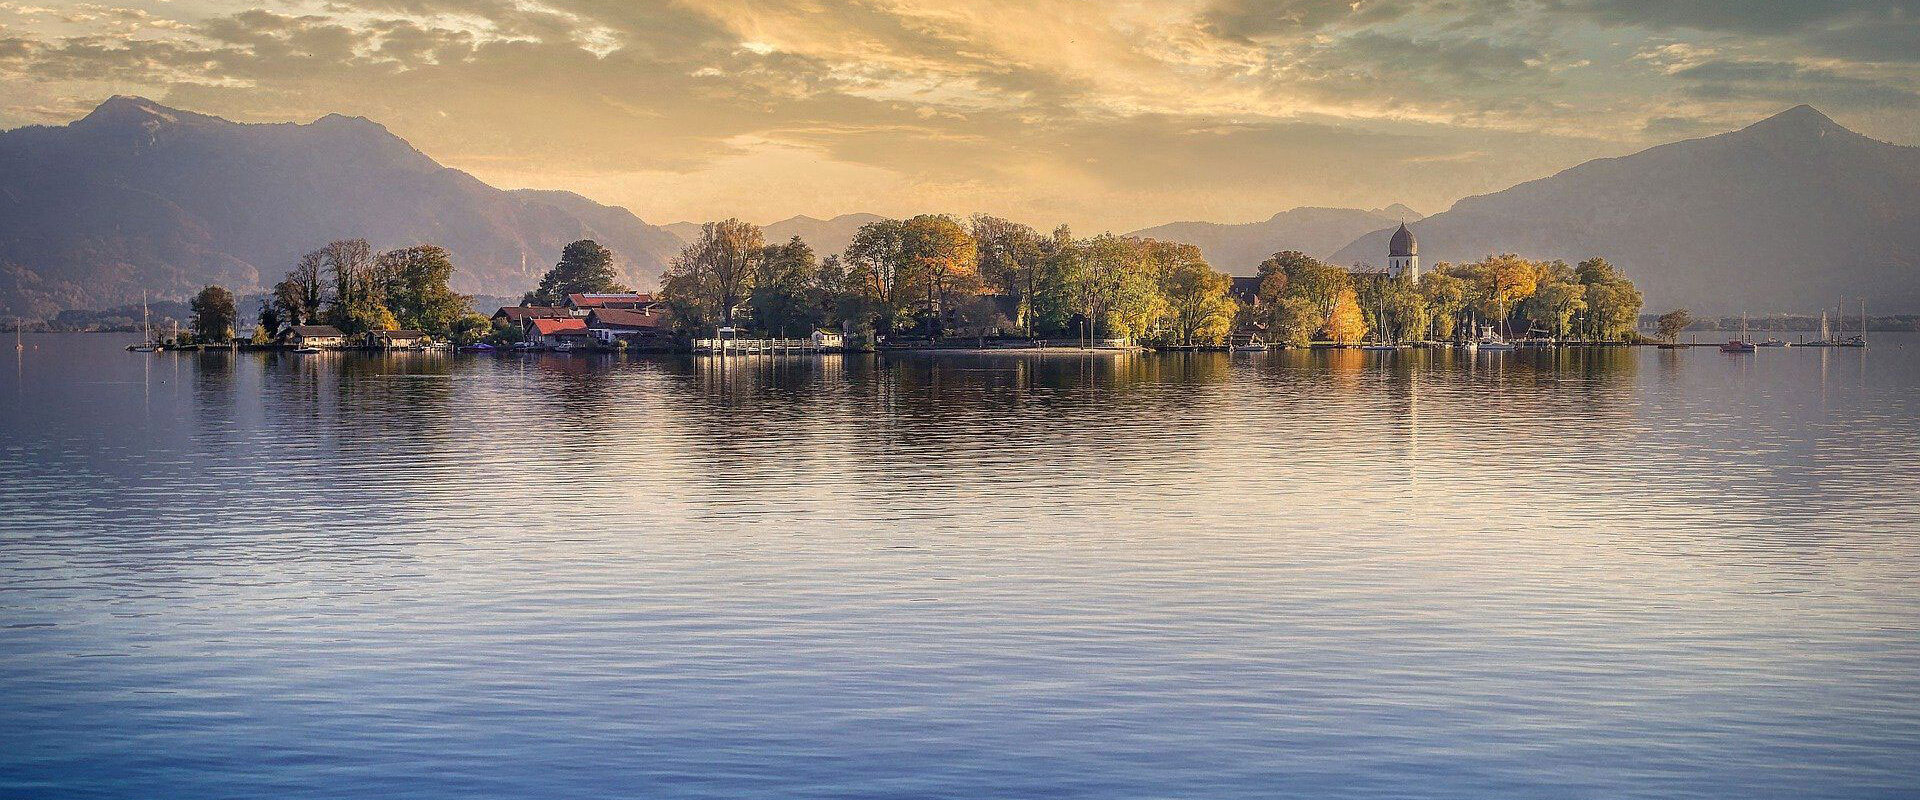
(125, 109)
(1799, 119)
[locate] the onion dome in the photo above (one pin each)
(1403, 243)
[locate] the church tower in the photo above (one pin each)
(1403, 254)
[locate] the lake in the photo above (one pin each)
(1612, 573)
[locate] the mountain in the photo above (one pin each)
(137, 196)
(1792, 213)
(1318, 232)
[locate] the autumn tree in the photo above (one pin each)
(1347, 324)
(709, 280)
(1198, 308)
(944, 257)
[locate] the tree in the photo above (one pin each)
(1613, 309)
(213, 314)
(585, 268)
(1556, 304)
(785, 300)
(1012, 258)
(1294, 320)
(710, 279)
(1673, 322)
(416, 288)
(877, 262)
(300, 299)
(944, 257)
(1347, 324)
(1199, 311)
(1293, 273)
(1446, 298)
(470, 328)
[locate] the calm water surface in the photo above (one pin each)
(1614, 574)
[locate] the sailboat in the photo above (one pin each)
(1744, 344)
(1493, 340)
(1380, 345)
(146, 344)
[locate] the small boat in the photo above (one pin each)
(308, 349)
(1379, 348)
(1771, 343)
(1254, 346)
(478, 347)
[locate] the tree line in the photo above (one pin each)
(1301, 299)
(935, 275)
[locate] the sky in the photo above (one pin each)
(1106, 115)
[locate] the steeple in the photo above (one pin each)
(1403, 253)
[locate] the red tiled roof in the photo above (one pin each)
(546, 327)
(625, 318)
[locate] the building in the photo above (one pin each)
(1246, 289)
(517, 316)
(548, 332)
(636, 328)
(828, 340)
(580, 304)
(315, 336)
(1403, 254)
(397, 339)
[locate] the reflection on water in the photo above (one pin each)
(1597, 573)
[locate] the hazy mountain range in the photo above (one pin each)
(1792, 213)
(140, 196)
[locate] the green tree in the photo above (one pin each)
(213, 314)
(1673, 322)
(1446, 298)
(786, 300)
(469, 328)
(416, 288)
(585, 268)
(878, 261)
(1555, 305)
(1198, 308)
(1294, 320)
(1013, 259)
(710, 279)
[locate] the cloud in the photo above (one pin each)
(1235, 107)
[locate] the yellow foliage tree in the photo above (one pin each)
(1347, 324)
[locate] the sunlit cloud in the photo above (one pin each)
(1143, 111)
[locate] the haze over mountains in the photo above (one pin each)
(140, 196)
(1792, 213)
(1318, 232)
